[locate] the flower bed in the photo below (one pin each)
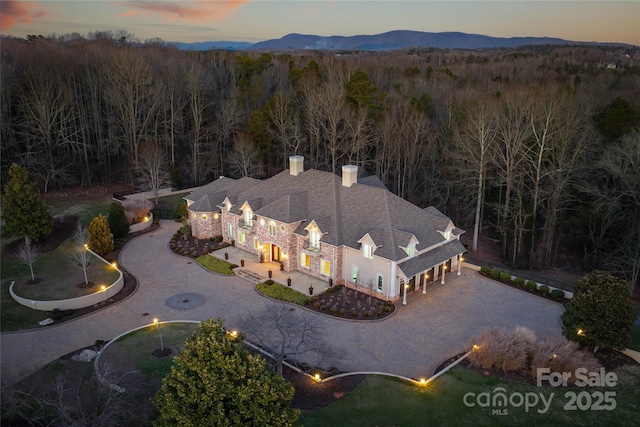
(189, 246)
(282, 293)
(347, 303)
(530, 286)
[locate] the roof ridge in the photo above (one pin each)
(390, 225)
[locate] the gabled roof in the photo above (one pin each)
(343, 214)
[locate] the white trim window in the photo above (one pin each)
(305, 260)
(256, 243)
(354, 273)
(325, 267)
(314, 240)
(242, 237)
(367, 250)
(248, 218)
(229, 229)
(411, 250)
(272, 228)
(379, 283)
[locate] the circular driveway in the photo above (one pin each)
(412, 342)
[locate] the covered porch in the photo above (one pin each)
(257, 272)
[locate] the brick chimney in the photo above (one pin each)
(349, 175)
(296, 165)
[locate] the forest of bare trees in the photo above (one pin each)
(537, 147)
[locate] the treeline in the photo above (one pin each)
(537, 147)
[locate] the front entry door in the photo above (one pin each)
(276, 253)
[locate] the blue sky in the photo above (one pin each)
(256, 20)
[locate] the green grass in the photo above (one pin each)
(635, 338)
(214, 264)
(382, 401)
(133, 351)
(283, 293)
(174, 199)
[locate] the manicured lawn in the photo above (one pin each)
(133, 351)
(216, 265)
(282, 293)
(86, 209)
(174, 199)
(381, 401)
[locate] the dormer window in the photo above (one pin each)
(314, 240)
(228, 206)
(248, 218)
(447, 234)
(367, 250)
(411, 250)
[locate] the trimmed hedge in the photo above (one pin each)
(282, 293)
(495, 273)
(518, 281)
(531, 285)
(505, 277)
(557, 294)
(216, 265)
(485, 269)
(544, 289)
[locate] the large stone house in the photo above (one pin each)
(346, 229)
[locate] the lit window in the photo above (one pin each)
(248, 218)
(325, 267)
(380, 282)
(229, 230)
(256, 244)
(447, 234)
(368, 250)
(314, 240)
(305, 260)
(354, 272)
(272, 228)
(228, 206)
(411, 250)
(242, 237)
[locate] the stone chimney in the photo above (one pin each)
(349, 175)
(296, 165)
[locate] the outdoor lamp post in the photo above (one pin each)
(155, 322)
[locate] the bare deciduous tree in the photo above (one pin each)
(28, 254)
(242, 159)
(152, 168)
(80, 254)
(286, 334)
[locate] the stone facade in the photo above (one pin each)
(205, 225)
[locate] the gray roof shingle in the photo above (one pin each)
(436, 256)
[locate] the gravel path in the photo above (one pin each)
(412, 342)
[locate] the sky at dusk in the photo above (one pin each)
(256, 20)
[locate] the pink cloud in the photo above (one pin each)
(13, 11)
(185, 11)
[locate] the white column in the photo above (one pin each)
(404, 294)
(444, 267)
(460, 259)
(425, 277)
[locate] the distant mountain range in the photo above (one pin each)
(398, 39)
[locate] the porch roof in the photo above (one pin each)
(436, 256)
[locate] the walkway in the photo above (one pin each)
(412, 342)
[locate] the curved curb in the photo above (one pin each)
(328, 316)
(96, 368)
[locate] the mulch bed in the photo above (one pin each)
(343, 302)
(193, 247)
(563, 301)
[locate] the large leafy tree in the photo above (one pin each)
(600, 313)
(100, 237)
(617, 118)
(23, 210)
(215, 381)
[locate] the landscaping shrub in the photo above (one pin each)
(485, 269)
(560, 355)
(136, 209)
(342, 312)
(100, 238)
(354, 313)
(505, 277)
(495, 274)
(544, 289)
(557, 294)
(214, 264)
(118, 223)
(316, 305)
(518, 281)
(531, 285)
(282, 293)
(502, 348)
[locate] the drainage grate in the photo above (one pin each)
(145, 314)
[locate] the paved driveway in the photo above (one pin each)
(412, 342)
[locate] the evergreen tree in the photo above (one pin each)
(215, 381)
(23, 210)
(117, 219)
(100, 237)
(600, 313)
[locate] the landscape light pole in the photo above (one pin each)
(155, 321)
